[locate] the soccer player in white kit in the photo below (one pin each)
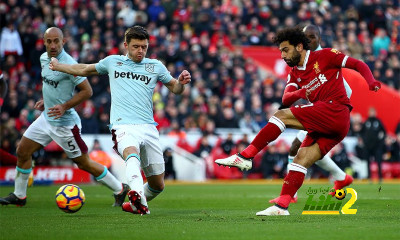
(133, 78)
(59, 122)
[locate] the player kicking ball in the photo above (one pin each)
(133, 78)
(316, 77)
(341, 178)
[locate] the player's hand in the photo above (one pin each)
(57, 111)
(53, 63)
(184, 77)
(375, 86)
(39, 105)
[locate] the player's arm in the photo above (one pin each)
(178, 85)
(292, 94)
(85, 93)
(363, 69)
(79, 69)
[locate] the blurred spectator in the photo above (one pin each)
(248, 124)
(274, 162)
(10, 41)
(227, 145)
(339, 156)
(373, 134)
(381, 42)
(169, 164)
(204, 148)
(98, 155)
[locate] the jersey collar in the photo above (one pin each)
(126, 58)
(60, 54)
(318, 48)
(305, 61)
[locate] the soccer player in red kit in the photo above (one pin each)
(316, 77)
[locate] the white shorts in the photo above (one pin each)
(301, 135)
(67, 137)
(146, 139)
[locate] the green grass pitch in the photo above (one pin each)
(217, 210)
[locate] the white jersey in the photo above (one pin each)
(132, 87)
(58, 88)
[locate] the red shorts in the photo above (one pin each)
(327, 123)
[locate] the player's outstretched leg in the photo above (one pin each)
(135, 205)
(137, 201)
(341, 178)
(269, 133)
(104, 176)
(236, 160)
(120, 197)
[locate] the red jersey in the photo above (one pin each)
(321, 74)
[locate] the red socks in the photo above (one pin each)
(269, 133)
(291, 184)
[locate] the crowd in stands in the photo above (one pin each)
(202, 36)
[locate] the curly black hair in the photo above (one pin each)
(136, 32)
(294, 35)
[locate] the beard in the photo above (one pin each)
(293, 61)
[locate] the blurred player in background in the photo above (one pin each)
(316, 77)
(341, 178)
(133, 78)
(59, 122)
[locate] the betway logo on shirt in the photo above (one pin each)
(51, 82)
(133, 76)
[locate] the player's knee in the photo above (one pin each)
(83, 163)
(159, 186)
(301, 157)
(22, 154)
(280, 114)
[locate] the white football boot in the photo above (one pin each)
(235, 161)
(272, 211)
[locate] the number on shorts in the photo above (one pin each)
(71, 146)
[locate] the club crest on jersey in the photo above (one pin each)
(298, 79)
(316, 68)
(149, 67)
(335, 51)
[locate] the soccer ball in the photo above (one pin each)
(70, 198)
(340, 194)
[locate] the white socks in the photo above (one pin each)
(150, 193)
(329, 165)
(110, 181)
(134, 176)
(21, 182)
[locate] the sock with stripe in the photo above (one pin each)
(108, 179)
(150, 193)
(21, 182)
(291, 184)
(267, 134)
(134, 176)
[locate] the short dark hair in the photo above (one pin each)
(136, 32)
(294, 35)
